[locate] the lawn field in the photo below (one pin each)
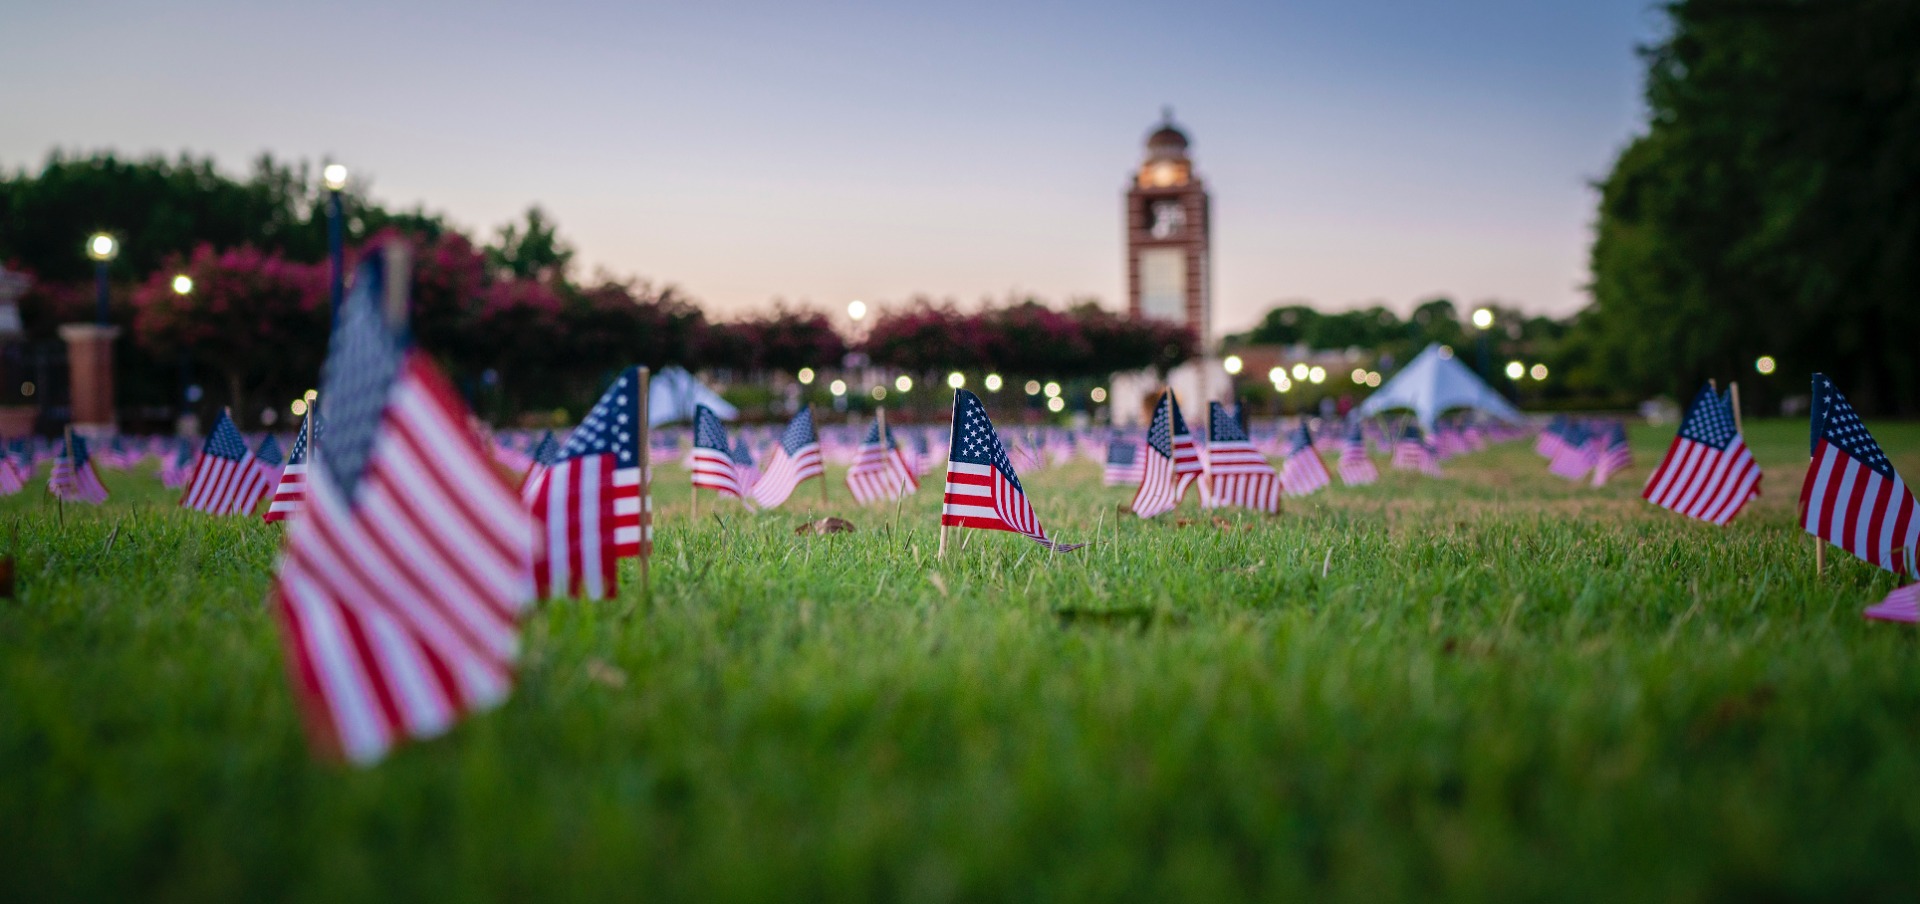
(1495, 686)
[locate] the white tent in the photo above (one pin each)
(1433, 383)
(674, 395)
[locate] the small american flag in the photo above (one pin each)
(289, 495)
(796, 458)
(1902, 605)
(1573, 455)
(1123, 463)
(175, 473)
(1301, 470)
(540, 458)
(1610, 452)
(743, 468)
(1172, 461)
(1412, 452)
(1237, 474)
(1852, 497)
(711, 465)
(982, 490)
(592, 504)
(13, 478)
(402, 583)
(1356, 468)
(880, 469)
(73, 477)
(1708, 473)
(1552, 439)
(226, 479)
(267, 456)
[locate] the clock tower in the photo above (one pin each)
(1168, 223)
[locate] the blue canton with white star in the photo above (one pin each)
(1121, 452)
(1160, 432)
(873, 436)
(546, 450)
(1835, 421)
(612, 427)
(741, 455)
(1708, 420)
(76, 451)
(183, 452)
(299, 454)
(363, 359)
(1223, 427)
(799, 433)
(1300, 439)
(269, 451)
(708, 433)
(974, 440)
(225, 440)
(1357, 436)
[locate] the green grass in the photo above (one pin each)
(1503, 687)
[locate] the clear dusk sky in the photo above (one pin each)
(1357, 150)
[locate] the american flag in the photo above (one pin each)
(1356, 469)
(540, 457)
(711, 464)
(1301, 470)
(73, 477)
(401, 586)
(1412, 452)
(1610, 452)
(13, 478)
(880, 469)
(1123, 462)
(1852, 497)
(1552, 439)
(226, 479)
(1708, 473)
(743, 467)
(1172, 461)
(1573, 455)
(1902, 605)
(593, 503)
(267, 456)
(982, 490)
(1237, 474)
(174, 474)
(923, 460)
(290, 494)
(796, 458)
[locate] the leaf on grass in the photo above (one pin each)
(824, 526)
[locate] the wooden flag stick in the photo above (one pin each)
(60, 502)
(1733, 394)
(941, 554)
(646, 482)
(823, 466)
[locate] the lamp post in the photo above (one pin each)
(1483, 321)
(334, 177)
(103, 249)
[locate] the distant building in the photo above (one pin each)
(1169, 226)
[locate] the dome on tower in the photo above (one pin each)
(1167, 142)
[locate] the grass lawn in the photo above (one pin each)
(1493, 686)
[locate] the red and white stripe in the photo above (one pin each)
(1859, 510)
(979, 496)
(222, 486)
(291, 493)
(1237, 474)
(1159, 490)
(784, 472)
(1356, 468)
(401, 609)
(1303, 473)
(592, 514)
(1700, 481)
(712, 469)
(11, 480)
(1902, 605)
(879, 473)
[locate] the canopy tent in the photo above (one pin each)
(674, 395)
(1433, 383)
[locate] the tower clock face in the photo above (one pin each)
(1169, 218)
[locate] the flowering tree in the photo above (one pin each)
(1026, 339)
(257, 319)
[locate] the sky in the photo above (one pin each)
(1357, 151)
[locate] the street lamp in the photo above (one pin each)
(993, 382)
(1516, 370)
(183, 285)
(103, 249)
(806, 376)
(1233, 365)
(857, 310)
(1764, 365)
(334, 177)
(1482, 319)
(956, 380)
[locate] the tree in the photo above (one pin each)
(534, 251)
(257, 319)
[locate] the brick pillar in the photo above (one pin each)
(90, 369)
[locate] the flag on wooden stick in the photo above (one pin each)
(1356, 468)
(1708, 472)
(1610, 452)
(1123, 464)
(712, 466)
(880, 469)
(402, 583)
(982, 490)
(590, 501)
(290, 493)
(226, 478)
(796, 458)
(1301, 471)
(1237, 474)
(73, 478)
(1172, 461)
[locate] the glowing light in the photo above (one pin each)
(1277, 374)
(1233, 364)
(1098, 395)
(993, 382)
(1359, 375)
(837, 387)
(334, 177)
(1033, 387)
(903, 383)
(956, 380)
(183, 285)
(310, 394)
(878, 393)
(1053, 390)
(299, 407)
(1446, 351)
(27, 388)
(1765, 364)
(1317, 375)
(1299, 371)
(1056, 404)
(1539, 371)
(102, 247)
(806, 376)
(1373, 378)
(1516, 370)
(1483, 317)
(857, 309)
